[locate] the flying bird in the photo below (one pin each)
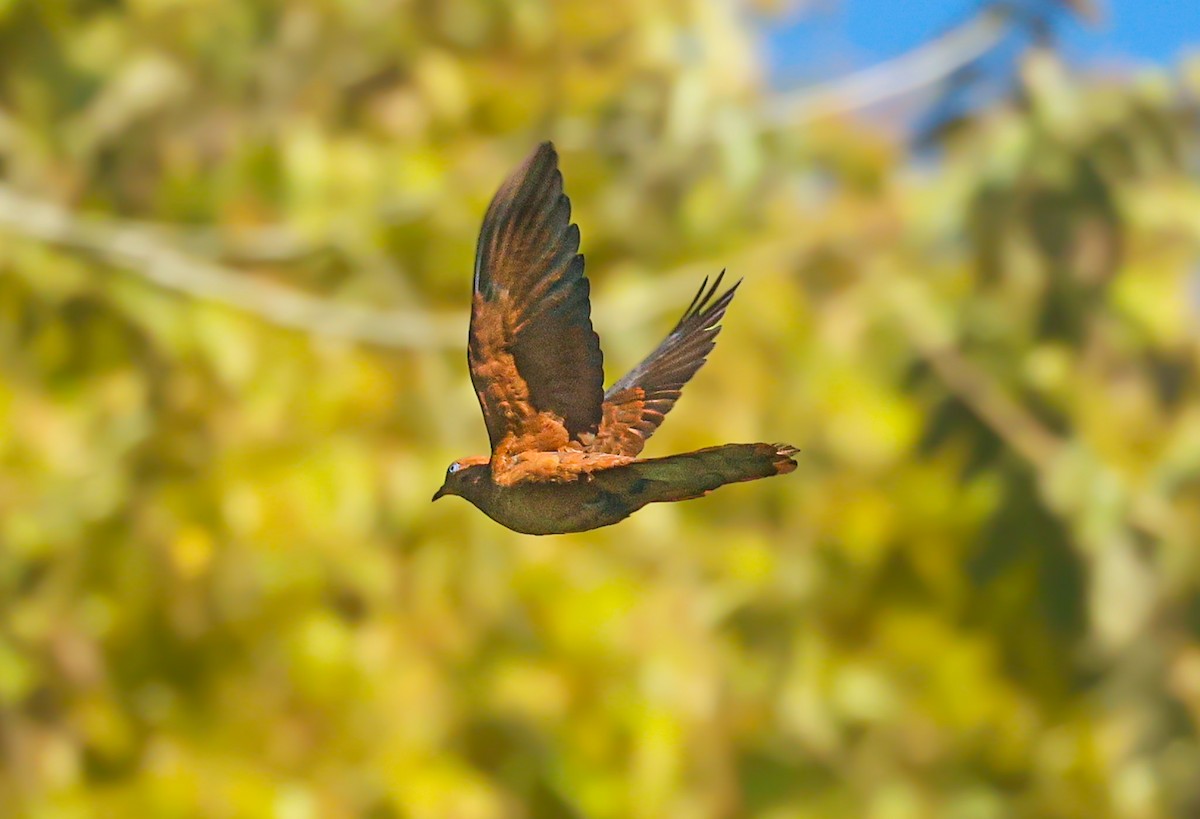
(564, 451)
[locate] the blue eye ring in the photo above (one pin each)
(454, 467)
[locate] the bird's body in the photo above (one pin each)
(564, 450)
(590, 491)
(544, 508)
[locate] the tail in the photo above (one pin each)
(692, 474)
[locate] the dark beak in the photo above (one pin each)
(438, 494)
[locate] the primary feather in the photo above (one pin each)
(635, 406)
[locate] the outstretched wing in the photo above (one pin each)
(535, 360)
(692, 474)
(635, 405)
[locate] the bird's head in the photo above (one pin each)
(464, 477)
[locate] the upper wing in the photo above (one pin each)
(635, 405)
(535, 360)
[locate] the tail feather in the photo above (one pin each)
(692, 474)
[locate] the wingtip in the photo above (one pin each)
(706, 300)
(542, 160)
(728, 294)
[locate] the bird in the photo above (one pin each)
(564, 451)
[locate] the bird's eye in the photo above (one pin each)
(453, 468)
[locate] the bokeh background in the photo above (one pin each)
(235, 253)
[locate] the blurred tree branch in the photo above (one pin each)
(1149, 510)
(926, 65)
(164, 254)
(919, 68)
(139, 250)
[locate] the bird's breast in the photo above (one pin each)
(552, 508)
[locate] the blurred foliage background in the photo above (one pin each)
(235, 253)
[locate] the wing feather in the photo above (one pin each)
(635, 406)
(535, 360)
